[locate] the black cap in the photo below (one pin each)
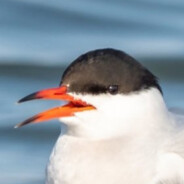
(108, 71)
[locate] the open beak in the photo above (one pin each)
(60, 93)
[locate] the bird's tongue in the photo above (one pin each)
(60, 93)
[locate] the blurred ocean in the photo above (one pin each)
(53, 32)
(39, 38)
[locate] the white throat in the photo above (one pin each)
(120, 115)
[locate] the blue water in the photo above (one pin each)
(38, 38)
(54, 32)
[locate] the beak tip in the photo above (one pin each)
(28, 98)
(17, 126)
(16, 103)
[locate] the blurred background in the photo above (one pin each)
(39, 38)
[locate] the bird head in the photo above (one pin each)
(101, 85)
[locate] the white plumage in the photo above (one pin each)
(128, 139)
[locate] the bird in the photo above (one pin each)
(119, 129)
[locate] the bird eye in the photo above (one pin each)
(113, 89)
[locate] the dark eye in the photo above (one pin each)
(113, 89)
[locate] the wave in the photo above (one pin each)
(55, 32)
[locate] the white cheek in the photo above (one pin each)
(104, 103)
(118, 114)
(120, 106)
(67, 120)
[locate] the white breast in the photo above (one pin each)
(80, 161)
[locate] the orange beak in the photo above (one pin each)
(60, 93)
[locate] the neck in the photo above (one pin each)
(134, 115)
